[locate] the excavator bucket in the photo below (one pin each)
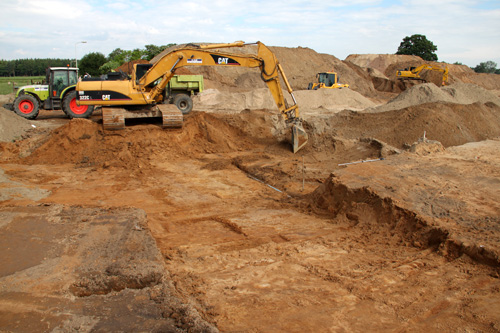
(299, 137)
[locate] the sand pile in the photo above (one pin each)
(380, 61)
(332, 99)
(449, 123)
(458, 93)
(12, 126)
(258, 99)
(234, 102)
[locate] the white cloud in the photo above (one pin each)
(50, 28)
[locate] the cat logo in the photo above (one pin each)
(223, 61)
(219, 60)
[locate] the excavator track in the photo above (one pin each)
(171, 115)
(114, 118)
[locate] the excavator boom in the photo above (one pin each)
(149, 88)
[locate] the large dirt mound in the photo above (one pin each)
(451, 124)
(459, 93)
(82, 141)
(388, 64)
(368, 74)
(300, 65)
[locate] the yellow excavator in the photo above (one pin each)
(413, 73)
(327, 80)
(143, 94)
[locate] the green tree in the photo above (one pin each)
(486, 67)
(110, 66)
(116, 55)
(91, 62)
(136, 54)
(420, 46)
(152, 51)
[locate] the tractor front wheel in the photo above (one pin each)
(74, 110)
(26, 106)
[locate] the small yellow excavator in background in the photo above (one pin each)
(143, 94)
(413, 73)
(327, 80)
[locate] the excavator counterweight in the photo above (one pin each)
(147, 88)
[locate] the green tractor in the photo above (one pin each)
(59, 93)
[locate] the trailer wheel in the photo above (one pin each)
(74, 110)
(26, 106)
(183, 103)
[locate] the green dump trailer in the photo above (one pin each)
(181, 88)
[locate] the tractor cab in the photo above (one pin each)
(58, 79)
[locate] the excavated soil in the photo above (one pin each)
(388, 220)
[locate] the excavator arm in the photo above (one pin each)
(209, 55)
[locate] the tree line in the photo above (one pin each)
(94, 63)
(31, 67)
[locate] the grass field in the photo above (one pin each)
(7, 83)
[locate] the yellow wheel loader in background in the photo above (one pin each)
(413, 73)
(143, 94)
(327, 80)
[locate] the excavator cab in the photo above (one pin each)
(140, 70)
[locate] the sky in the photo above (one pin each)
(465, 31)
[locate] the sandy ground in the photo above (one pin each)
(388, 220)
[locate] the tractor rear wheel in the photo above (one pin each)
(183, 103)
(26, 106)
(74, 110)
